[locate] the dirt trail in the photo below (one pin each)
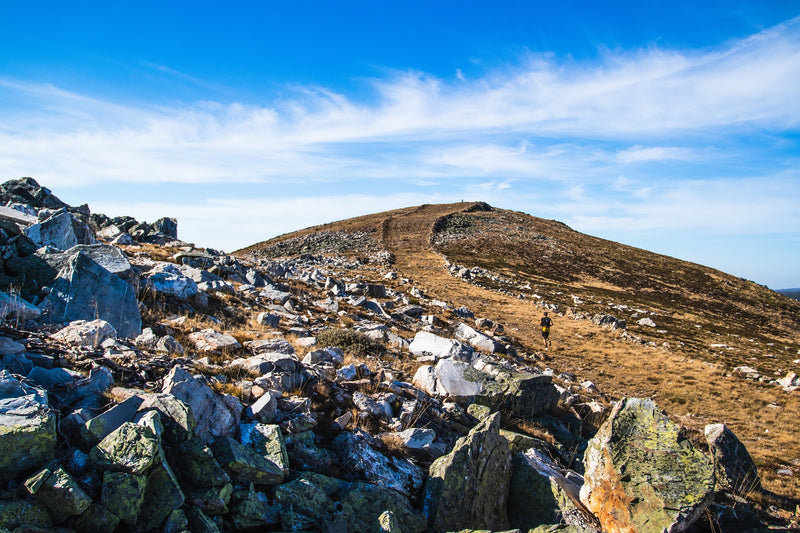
(762, 416)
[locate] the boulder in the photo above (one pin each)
(59, 492)
(167, 278)
(542, 492)
(479, 341)
(12, 305)
(27, 427)
(7, 346)
(95, 519)
(274, 345)
(363, 505)
(267, 441)
(254, 512)
(426, 343)
(304, 504)
(195, 463)
(84, 290)
(642, 475)
(469, 487)
(356, 451)
(86, 334)
(25, 515)
(60, 230)
(212, 416)
(269, 320)
(107, 256)
(734, 469)
(170, 345)
(162, 497)
(102, 425)
(130, 448)
(209, 341)
(167, 227)
(175, 414)
(123, 495)
(246, 465)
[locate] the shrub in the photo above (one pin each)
(352, 342)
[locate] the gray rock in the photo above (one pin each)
(147, 340)
(175, 414)
(59, 492)
(274, 345)
(426, 343)
(479, 341)
(102, 425)
(395, 473)
(167, 227)
(246, 465)
(210, 341)
(27, 427)
(7, 346)
(267, 441)
(269, 320)
(641, 475)
(377, 408)
(170, 345)
(734, 469)
(84, 290)
(50, 378)
(61, 230)
(647, 321)
(213, 418)
(12, 305)
(304, 505)
(469, 487)
(167, 278)
(265, 408)
(109, 257)
(88, 334)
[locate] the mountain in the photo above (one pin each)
(689, 332)
(791, 293)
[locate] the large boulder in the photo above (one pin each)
(542, 492)
(59, 492)
(642, 475)
(396, 473)
(129, 448)
(362, 505)
(60, 230)
(84, 290)
(107, 256)
(525, 395)
(212, 416)
(426, 343)
(734, 469)
(27, 427)
(469, 487)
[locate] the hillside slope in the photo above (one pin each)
(688, 328)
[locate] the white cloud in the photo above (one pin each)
(639, 154)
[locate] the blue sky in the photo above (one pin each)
(671, 126)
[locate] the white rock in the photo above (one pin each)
(426, 343)
(83, 333)
(210, 341)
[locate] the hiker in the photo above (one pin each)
(546, 323)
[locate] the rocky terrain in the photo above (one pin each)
(312, 384)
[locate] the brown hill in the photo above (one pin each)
(510, 266)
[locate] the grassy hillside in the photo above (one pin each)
(707, 322)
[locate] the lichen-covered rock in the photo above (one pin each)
(255, 512)
(199, 522)
(245, 464)
(102, 425)
(123, 495)
(641, 475)
(95, 519)
(31, 513)
(213, 501)
(734, 469)
(362, 505)
(162, 497)
(59, 492)
(27, 427)
(266, 440)
(469, 486)
(304, 505)
(130, 448)
(195, 463)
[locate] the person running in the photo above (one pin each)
(546, 323)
